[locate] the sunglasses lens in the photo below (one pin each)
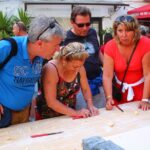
(88, 24)
(81, 25)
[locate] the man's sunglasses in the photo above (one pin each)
(81, 25)
(124, 19)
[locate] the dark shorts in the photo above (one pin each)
(5, 118)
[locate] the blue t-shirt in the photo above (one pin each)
(18, 76)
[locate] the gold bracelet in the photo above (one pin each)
(108, 97)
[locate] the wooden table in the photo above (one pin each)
(128, 126)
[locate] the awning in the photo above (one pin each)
(142, 12)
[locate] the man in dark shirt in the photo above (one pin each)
(82, 32)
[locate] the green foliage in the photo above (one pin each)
(107, 30)
(104, 31)
(22, 16)
(5, 25)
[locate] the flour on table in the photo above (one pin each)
(136, 112)
(111, 123)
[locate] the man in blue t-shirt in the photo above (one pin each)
(82, 32)
(22, 71)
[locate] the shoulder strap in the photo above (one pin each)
(59, 78)
(128, 65)
(55, 68)
(13, 52)
(41, 85)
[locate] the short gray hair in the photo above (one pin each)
(44, 28)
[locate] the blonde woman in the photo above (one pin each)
(62, 79)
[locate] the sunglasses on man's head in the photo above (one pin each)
(124, 19)
(51, 25)
(81, 25)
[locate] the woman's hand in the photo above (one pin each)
(109, 104)
(84, 113)
(93, 110)
(144, 105)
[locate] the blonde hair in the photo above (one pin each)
(72, 51)
(131, 24)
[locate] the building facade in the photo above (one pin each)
(103, 11)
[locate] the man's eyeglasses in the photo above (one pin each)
(51, 25)
(81, 25)
(124, 19)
